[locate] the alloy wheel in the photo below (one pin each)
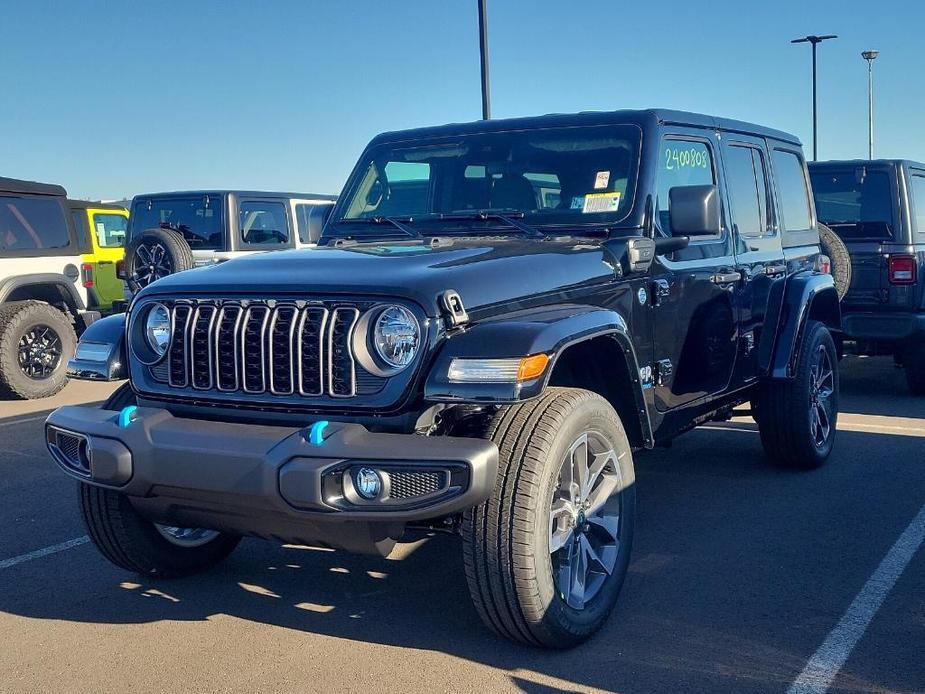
(584, 520)
(39, 353)
(151, 263)
(822, 388)
(186, 537)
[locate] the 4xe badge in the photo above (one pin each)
(643, 296)
(647, 376)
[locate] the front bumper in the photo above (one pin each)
(271, 481)
(883, 326)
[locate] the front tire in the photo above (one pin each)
(36, 341)
(798, 416)
(546, 555)
(136, 544)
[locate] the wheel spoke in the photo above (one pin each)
(609, 483)
(606, 525)
(578, 575)
(144, 255)
(579, 456)
(593, 560)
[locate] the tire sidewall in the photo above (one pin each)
(817, 334)
(598, 417)
(180, 254)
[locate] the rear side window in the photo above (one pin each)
(918, 201)
(791, 185)
(681, 163)
(32, 224)
(263, 223)
(110, 230)
(747, 185)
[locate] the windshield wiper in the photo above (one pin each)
(511, 219)
(399, 223)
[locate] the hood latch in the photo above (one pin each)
(451, 306)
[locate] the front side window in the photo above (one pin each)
(552, 176)
(28, 224)
(856, 201)
(197, 219)
(263, 223)
(791, 186)
(918, 201)
(110, 229)
(680, 163)
(747, 185)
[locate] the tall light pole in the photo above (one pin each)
(814, 40)
(870, 57)
(483, 51)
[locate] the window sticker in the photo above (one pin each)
(601, 202)
(578, 202)
(601, 180)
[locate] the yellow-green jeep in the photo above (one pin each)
(101, 229)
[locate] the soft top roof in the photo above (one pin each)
(15, 185)
(239, 193)
(643, 118)
(90, 204)
(834, 163)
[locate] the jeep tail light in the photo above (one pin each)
(86, 275)
(902, 269)
(120, 269)
(823, 264)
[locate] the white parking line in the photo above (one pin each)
(829, 659)
(24, 419)
(45, 551)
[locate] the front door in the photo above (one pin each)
(759, 255)
(692, 290)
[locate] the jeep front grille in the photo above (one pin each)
(280, 348)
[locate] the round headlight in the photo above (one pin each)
(157, 329)
(396, 336)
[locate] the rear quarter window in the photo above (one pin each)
(793, 192)
(32, 224)
(918, 201)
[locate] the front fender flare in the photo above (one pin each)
(112, 364)
(551, 331)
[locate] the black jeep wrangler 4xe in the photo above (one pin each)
(501, 315)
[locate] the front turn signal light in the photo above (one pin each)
(510, 370)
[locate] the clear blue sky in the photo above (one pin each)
(113, 99)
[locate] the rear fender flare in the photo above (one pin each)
(12, 287)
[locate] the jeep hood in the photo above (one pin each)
(484, 272)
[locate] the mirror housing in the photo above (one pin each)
(694, 211)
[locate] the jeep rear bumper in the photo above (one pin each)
(273, 482)
(884, 326)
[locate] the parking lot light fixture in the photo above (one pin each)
(870, 56)
(814, 41)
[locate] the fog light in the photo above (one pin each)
(367, 482)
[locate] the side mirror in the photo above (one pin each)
(694, 211)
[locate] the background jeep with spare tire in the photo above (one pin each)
(43, 303)
(172, 232)
(500, 316)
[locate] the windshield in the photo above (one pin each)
(555, 176)
(857, 201)
(198, 219)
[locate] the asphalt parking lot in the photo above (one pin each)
(741, 573)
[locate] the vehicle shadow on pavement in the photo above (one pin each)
(876, 386)
(727, 590)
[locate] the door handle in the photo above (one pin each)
(726, 277)
(775, 269)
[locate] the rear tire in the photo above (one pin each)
(798, 416)
(518, 585)
(914, 364)
(38, 339)
(136, 544)
(832, 246)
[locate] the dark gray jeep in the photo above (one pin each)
(878, 209)
(498, 317)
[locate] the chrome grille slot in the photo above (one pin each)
(282, 327)
(201, 346)
(253, 345)
(178, 359)
(341, 365)
(226, 347)
(311, 344)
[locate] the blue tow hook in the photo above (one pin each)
(316, 434)
(127, 416)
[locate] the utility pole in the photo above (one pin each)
(814, 40)
(483, 50)
(870, 57)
